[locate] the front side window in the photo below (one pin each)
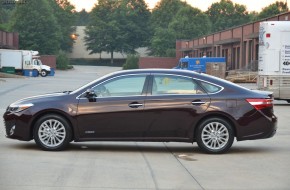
(131, 85)
(171, 84)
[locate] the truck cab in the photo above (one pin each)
(43, 70)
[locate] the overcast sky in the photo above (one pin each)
(252, 5)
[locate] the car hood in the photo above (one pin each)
(41, 98)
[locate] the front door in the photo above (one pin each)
(117, 111)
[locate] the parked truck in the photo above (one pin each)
(23, 60)
(215, 66)
(274, 58)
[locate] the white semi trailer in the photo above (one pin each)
(274, 58)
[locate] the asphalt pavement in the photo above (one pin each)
(260, 164)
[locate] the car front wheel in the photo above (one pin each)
(52, 132)
(215, 136)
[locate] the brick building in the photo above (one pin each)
(238, 44)
(8, 40)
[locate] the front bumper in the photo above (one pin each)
(17, 126)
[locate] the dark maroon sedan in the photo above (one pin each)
(145, 105)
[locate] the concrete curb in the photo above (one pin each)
(7, 75)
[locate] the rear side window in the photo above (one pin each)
(210, 88)
(171, 84)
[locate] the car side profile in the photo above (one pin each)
(163, 105)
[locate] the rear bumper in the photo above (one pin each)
(257, 127)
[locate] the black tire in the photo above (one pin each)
(52, 132)
(215, 136)
(43, 73)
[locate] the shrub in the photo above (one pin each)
(62, 61)
(131, 62)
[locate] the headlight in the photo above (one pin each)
(18, 108)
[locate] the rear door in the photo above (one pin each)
(173, 106)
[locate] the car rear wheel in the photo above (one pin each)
(52, 132)
(215, 136)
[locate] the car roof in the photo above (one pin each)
(189, 73)
(182, 72)
(161, 71)
(192, 74)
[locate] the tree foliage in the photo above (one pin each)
(65, 17)
(82, 18)
(163, 40)
(190, 23)
(226, 14)
(44, 25)
(164, 12)
(273, 9)
(37, 27)
(118, 26)
(6, 11)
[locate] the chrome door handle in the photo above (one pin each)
(135, 105)
(197, 103)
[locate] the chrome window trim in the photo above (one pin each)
(145, 74)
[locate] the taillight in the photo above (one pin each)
(260, 103)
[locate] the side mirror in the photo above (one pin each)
(91, 95)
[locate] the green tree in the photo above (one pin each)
(83, 18)
(65, 17)
(37, 27)
(190, 23)
(253, 16)
(6, 11)
(273, 9)
(102, 30)
(163, 41)
(225, 14)
(117, 26)
(164, 12)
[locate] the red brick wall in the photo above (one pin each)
(49, 60)
(247, 29)
(237, 32)
(9, 40)
(157, 62)
(178, 45)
